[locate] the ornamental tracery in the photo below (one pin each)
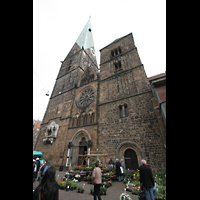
(86, 98)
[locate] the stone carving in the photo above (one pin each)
(86, 98)
(51, 133)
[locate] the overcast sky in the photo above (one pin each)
(58, 23)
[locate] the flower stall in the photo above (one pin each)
(132, 183)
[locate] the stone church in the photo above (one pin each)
(106, 111)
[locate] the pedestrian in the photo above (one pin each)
(38, 165)
(111, 163)
(44, 169)
(48, 189)
(34, 170)
(118, 171)
(146, 180)
(39, 172)
(124, 168)
(96, 176)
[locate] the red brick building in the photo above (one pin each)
(158, 85)
(36, 126)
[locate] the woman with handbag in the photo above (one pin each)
(96, 176)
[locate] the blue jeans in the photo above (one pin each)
(120, 178)
(150, 192)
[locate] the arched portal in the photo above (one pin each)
(131, 160)
(130, 152)
(82, 149)
(80, 143)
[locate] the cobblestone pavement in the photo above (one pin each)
(113, 192)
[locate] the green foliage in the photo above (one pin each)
(62, 184)
(81, 188)
(92, 189)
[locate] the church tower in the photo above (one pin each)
(109, 112)
(69, 126)
(128, 126)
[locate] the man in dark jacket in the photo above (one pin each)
(118, 171)
(146, 179)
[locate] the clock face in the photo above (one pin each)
(92, 51)
(86, 98)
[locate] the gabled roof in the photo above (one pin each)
(115, 41)
(156, 76)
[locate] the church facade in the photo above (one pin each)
(109, 112)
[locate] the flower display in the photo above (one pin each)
(124, 196)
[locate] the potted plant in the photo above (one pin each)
(92, 190)
(124, 196)
(89, 180)
(67, 187)
(81, 189)
(101, 191)
(75, 185)
(72, 186)
(62, 185)
(104, 190)
(78, 177)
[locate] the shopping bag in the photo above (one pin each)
(121, 169)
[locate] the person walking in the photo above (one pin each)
(39, 172)
(48, 189)
(111, 163)
(34, 170)
(44, 169)
(38, 165)
(124, 168)
(118, 171)
(96, 176)
(146, 180)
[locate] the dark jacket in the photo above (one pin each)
(118, 171)
(38, 164)
(146, 176)
(53, 196)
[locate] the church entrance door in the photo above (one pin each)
(131, 160)
(82, 149)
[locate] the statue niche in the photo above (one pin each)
(51, 133)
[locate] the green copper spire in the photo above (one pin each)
(85, 39)
(84, 46)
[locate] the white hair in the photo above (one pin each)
(143, 162)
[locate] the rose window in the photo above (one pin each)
(86, 98)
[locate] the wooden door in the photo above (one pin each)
(82, 149)
(131, 161)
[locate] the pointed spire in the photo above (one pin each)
(85, 39)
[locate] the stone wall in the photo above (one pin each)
(128, 86)
(113, 109)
